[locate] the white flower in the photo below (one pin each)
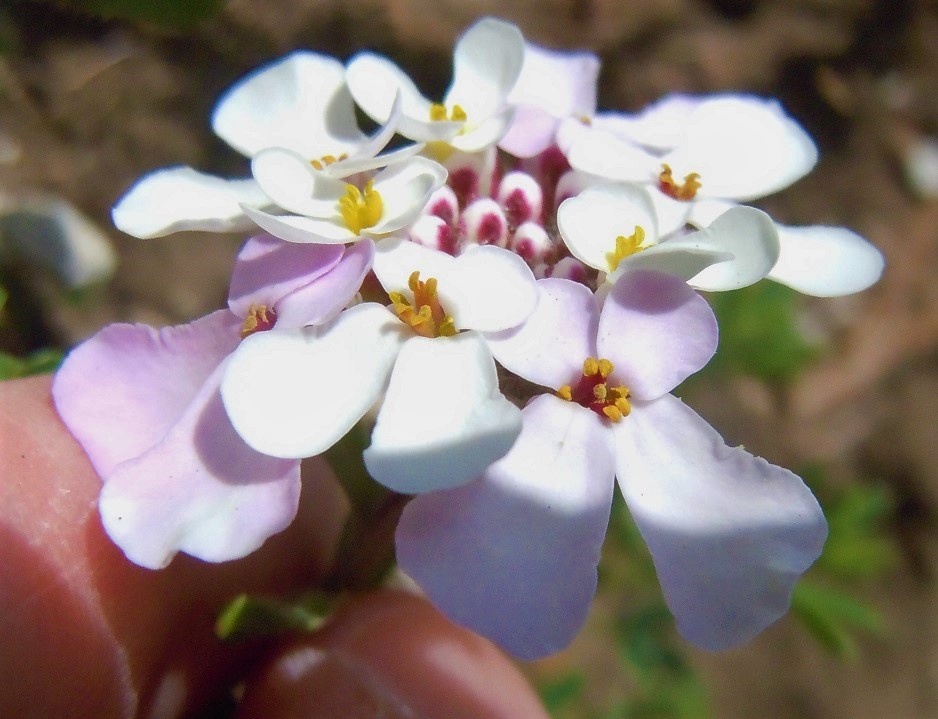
(301, 103)
(330, 211)
(443, 419)
(474, 113)
(726, 147)
(614, 227)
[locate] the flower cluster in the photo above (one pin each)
(513, 232)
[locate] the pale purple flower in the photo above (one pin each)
(144, 403)
(513, 554)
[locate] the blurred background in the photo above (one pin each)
(95, 93)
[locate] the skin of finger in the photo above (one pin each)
(390, 654)
(86, 632)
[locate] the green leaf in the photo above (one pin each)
(172, 13)
(858, 545)
(247, 617)
(759, 333)
(562, 692)
(833, 617)
(39, 362)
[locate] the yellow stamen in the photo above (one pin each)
(605, 368)
(595, 394)
(424, 315)
(361, 209)
(685, 191)
(625, 246)
(256, 317)
(612, 412)
(438, 113)
(327, 160)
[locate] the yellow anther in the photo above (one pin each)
(257, 318)
(625, 246)
(612, 412)
(605, 368)
(565, 392)
(590, 366)
(685, 191)
(425, 315)
(327, 160)
(438, 113)
(361, 209)
(599, 392)
(624, 406)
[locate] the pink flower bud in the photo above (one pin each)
(484, 223)
(433, 232)
(521, 197)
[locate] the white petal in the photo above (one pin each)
(300, 102)
(366, 163)
(660, 126)
(180, 198)
(549, 347)
(294, 228)
(478, 137)
(681, 257)
(443, 420)
(396, 259)
(590, 222)
(730, 534)
(291, 182)
(405, 189)
(601, 153)
(294, 393)
(563, 83)
(488, 289)
(826, 261)
(487, 62)
(746, 233)
(375, 82)
(743, 148)
(704, 210)
(672, 214)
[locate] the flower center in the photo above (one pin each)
(259, 319)
(593, 392)
(361, 209)
(679, 191)
(438, 113)
(424, 315)
(327, 160)
(625, 246)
